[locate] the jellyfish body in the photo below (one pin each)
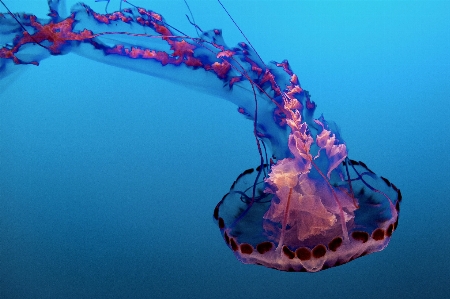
(308, 209)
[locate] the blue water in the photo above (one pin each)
(108, 178)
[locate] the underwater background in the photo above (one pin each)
(108, 178)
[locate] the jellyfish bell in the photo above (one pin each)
(320, 209)
(298, 225)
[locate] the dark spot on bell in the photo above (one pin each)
(227, 239)
(319, 251)
(394, 187)
(233, 244)
(264, 247)
(378, 234)
(386, 181)
(216, 212)
(389, 230)
(221, 223)
(248, 171)
(303, 253)
(360, 236)
(335, 243)
(259, 167)
(289, 253)
(338, 263)
(246, 248)
(232, 187)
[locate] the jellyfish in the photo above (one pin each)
(307, 206)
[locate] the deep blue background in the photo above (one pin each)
(108, 178)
